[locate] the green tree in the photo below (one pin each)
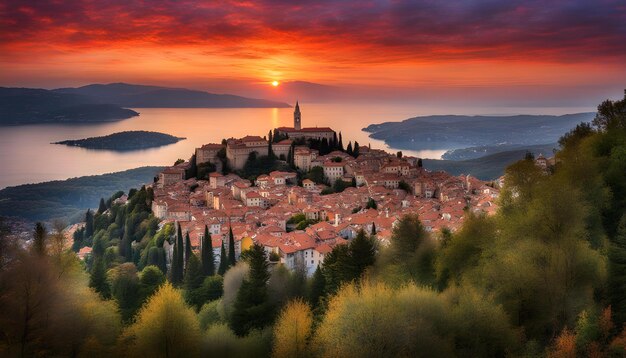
(231, 248)
(362, 253)
(349, 149)
(178, 259)
(371, 204)
(355, 152)
(251, 308)
(150, 279)
(617, 270)
(188, 252)
(193, 281)
(98, 278)
(223, 261)
(208, 262)
(125, 289)
(102, 207)
(318, 287)
(88, 223)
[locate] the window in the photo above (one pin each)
(311, 262)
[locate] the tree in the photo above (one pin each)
(611, 115)
(39, 239)
(270, 151)
(355, 151)
(371, 204)
(150, 279)
(231, 248)
(318, 287)
(208, 262)
(362, 253)
(165, 327)
(98, 278)
(399, 154)
(252, 309)
(188, 252)
(373, 228)
(292, 330)
(340, 144)
(223, 261)
(177, 259)
(316, 174)
(420, 164)
(349, 150)
(193, 281)
(125, 289)
(88, 223)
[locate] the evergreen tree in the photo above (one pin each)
(349, 150)
(193, 281)
(355, 151)
(39, 239)
(362, 254)
(270, 150)
(102, 207)
(89, 223)
(174, 274)
(373, 228)
(188, 252)
(125, 246)
(371, 204)
(98, 278)
(223, 261)
(252, 309)
(340, 144)
(617, 274)
(178, 258)
(334, 142)
(231, 248)
(208, 262)
(318, 286)
(324, 147)
(419, 163)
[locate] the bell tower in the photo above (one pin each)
(297, 118)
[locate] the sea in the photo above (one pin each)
(27, 155)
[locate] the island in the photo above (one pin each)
(124, 141)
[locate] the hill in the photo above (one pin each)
(488, 167)
(481, 151)
(67, 198)
(141, 96)
(124, 141)
(28, 106)
(439, 132)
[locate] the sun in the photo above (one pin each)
(275, 83)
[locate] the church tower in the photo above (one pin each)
(297, 117)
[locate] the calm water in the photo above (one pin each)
(26, 155)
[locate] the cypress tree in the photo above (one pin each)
(39, 239)
(340, 144)
(178, 259)
(223, 261)
(193, 281)
(349, 149)
(208, 262)
(270, 150)
(102, 207)
(231, 248)
(88, 223)
(355, 151)
(335, 142)
(188, 251)
(373, 228)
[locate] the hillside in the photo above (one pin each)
(141, 96)
(124, 141)
(481, 151)
(488, 167)
(27, 106)
(440, 132)
(66, 198)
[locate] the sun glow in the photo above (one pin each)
(275, 83)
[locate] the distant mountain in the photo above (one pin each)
(310, 91)
(26, 105)
(141, 96)
(447, 131)
(68, 199)
(124, 141)
(488, 167)
(481, 151)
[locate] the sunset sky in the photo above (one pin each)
(545, 49)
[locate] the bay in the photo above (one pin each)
(27, 155)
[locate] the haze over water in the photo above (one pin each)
(28, 157)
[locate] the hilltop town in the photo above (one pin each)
(299, 220)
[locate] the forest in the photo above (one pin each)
(543, 277)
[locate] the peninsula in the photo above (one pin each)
(124, 141)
